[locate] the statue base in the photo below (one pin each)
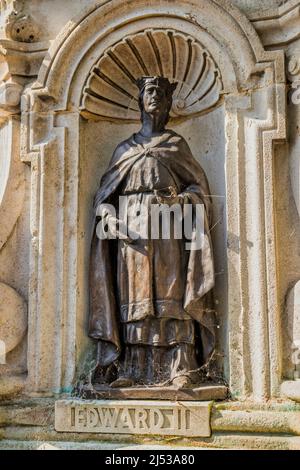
(204, 392)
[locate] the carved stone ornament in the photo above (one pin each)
(12, 326)
(18, 25)
(23, 29)
(110, 91)
(293, 67)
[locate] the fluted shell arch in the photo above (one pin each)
(110, 91)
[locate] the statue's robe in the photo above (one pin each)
(198, 277)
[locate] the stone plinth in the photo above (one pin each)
(205, 392)
(164, 418)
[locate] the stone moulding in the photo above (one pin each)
(23, 59)
(279, 26)
(255, 117)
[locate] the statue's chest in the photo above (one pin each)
(150, 172)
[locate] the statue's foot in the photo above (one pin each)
(122, 382)
(182, 382)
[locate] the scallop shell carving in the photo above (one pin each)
(111, 93)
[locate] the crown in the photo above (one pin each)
(162, 82)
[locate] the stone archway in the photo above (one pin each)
(253, 94)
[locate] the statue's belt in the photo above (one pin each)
(169, 192)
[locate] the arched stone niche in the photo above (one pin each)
(69, 133)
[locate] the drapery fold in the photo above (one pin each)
(105, 325)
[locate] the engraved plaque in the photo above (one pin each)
(134, 417)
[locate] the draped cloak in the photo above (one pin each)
(104, 322)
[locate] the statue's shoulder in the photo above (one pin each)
(121, 149)
(177, 139)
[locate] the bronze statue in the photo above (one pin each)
(150, 297)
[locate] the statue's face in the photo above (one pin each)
(154, 99)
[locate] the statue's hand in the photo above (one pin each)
(171, 200)
(168, 196)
